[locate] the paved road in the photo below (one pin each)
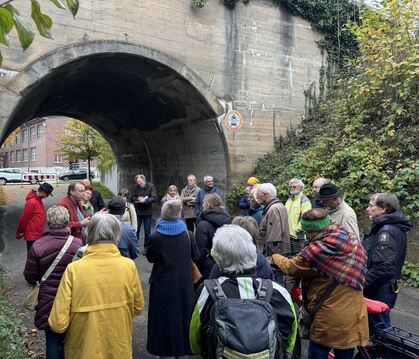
(13, 256)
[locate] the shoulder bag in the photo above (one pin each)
(31, 301)
(196, 274)
(305, 318)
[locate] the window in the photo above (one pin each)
(24, 135)
(40, 129)
(25, 155)
(58, 159)
(17, 138)
(18, 158)
(12, 156)
(33, 153)
(33, 133)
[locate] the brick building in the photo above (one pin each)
(35, 149)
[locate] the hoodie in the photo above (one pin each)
(386, 246)
(210, 221)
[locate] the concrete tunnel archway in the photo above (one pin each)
(157, 115)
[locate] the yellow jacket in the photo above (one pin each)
(97, 298)
(295, 208)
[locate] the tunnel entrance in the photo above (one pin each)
(156, 120)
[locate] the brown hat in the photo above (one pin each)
(170, 210)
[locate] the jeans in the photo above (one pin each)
(147, 228)
(318, 351)
(54, 344)
(374, 319)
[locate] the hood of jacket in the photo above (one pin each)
(217, 216)
(397, 219)
(32, 194)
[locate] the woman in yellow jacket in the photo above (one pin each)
(98, 297)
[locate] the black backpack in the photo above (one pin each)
(242, 328)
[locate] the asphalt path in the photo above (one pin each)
(13, 257)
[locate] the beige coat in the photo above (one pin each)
(274, 227)
(342, 320)
(188, 203)
(130, 216)
(345, 216)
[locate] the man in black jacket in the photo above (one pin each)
(386, 248)
(144, 195)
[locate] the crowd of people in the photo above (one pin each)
(88, 298)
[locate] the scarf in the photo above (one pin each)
(170, 228)
(338, 254)
(189, 191)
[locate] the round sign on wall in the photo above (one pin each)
(234, 120)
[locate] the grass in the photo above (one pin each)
(104, 191)
(2, 196)
(11, 341)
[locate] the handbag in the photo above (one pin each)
(305, 318)
(196, 274)
(31, 301)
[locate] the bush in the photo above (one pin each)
(104, 191)
(11, 341)
(410, 274)
(362, 135)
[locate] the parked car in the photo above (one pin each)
(80, 173)
(14, 175)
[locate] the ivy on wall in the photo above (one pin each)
(327, 16)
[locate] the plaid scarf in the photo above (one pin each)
(338, 254)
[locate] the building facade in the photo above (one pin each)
(35, 149)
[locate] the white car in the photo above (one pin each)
(14, 175)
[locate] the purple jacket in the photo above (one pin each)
(40, 257)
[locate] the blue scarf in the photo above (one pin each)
(170, 228)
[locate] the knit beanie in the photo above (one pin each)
(252, 181)
(315, 225)
(171, 209)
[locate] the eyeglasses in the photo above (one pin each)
(294, 187)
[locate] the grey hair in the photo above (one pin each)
(233, 249)
(57, 217)
(140, 176)
(103, 227)
(207, 178)
(387, 201)
(297, 181)
(191, 176)
(268, 188)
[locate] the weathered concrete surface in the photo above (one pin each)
(142, 71)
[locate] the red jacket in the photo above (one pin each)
(74, 223)
(32, 220)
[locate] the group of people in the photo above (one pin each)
(315, 243)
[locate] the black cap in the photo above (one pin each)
(329, 191)
(47, 188)
(116, 206)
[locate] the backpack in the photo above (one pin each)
(242, 328)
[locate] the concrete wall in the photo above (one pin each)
(257, 59)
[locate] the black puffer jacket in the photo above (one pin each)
(386, 248)
(40, 257)
(210, 221)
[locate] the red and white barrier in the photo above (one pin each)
(40, 177)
